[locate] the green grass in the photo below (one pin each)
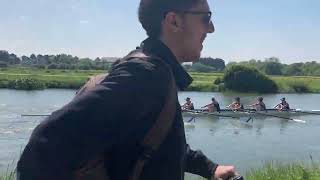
(70, 79)
(270, 171)
(73, 79)
(278, 171)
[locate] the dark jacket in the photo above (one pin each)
(113, 118)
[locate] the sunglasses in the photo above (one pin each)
(206, 16)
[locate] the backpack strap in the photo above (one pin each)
(159, 131)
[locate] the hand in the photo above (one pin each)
(224, 172)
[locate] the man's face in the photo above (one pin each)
(195, 26)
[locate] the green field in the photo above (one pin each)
(202, 81)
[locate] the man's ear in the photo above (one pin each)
(173, 21)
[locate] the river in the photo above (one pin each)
(225, 140)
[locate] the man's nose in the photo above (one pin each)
(211, 28)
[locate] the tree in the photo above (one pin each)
(4, 56)
(294, 69)
(8, 58)
(272, 68)
(247, 79)
(199, 67)
(218, 64)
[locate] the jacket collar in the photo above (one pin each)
(158, 48)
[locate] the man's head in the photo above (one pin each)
(188, 99)
(181, 24)
(260, 99)
(237, 99)
(283, 99)
(213, 99)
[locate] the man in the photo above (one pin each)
(259, 105)
(213, 106)
(94, 121)
(236, 105)
(188, 105)
(283, 106)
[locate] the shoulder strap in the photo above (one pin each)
(159, 131)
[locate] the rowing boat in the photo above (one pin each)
(250, 112)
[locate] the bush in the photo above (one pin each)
(248, 79)
(218, 81)
(26, 84)
(299, 86)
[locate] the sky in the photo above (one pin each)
(246, 29)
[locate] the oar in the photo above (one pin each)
(35, 114)
(219, 115)
(191, 119)
(271, 115)
(314, 112)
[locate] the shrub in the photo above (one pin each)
(218, 81)
(299, 86)
(26, 84)
(248, 79)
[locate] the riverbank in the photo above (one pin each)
(271, 171)
(203, 82)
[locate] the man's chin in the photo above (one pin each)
(190, 58)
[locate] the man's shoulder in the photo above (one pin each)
(141, 62)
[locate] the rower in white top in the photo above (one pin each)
(283, 106)
(236, 105)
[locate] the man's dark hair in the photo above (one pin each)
(152, 12)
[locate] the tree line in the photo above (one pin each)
(269, 66)
(60, 61)
(272, 66)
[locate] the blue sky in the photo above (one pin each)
(287, 29)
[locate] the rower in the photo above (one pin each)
(283, 106)
(236, 105)
(213, 106)
(188, 105)
(259, 105)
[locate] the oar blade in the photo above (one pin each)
(298, 120)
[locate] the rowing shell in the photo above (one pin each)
(251, 112)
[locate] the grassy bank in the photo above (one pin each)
(73, 79)
(271, 171)
(286, 84)
(69, 79)
(277, 171)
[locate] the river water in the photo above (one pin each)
(225, 140)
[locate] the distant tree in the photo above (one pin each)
(199, 67)
(25, 60)
(3, 64)
(218, 64)
(4, 56)
(272, 68)
(8, 58)
(52, 66)
(294, 69)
